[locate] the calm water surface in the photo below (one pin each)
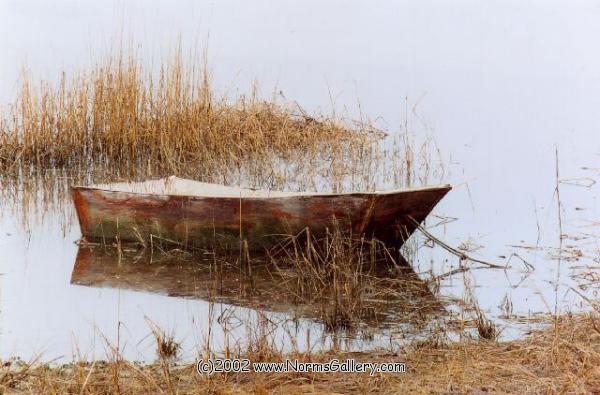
(498, 85)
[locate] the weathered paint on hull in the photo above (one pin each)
(221, 222)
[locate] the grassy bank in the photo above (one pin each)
(562, 359)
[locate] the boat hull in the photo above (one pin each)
(222, 222)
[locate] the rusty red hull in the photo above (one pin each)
(215, 222)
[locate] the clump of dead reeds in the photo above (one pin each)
(485, 328)
(349, 278)
(331, 272)
(121, 114)
(166, 346)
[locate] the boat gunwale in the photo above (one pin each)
(440, 187)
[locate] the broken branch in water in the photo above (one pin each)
(454, 251)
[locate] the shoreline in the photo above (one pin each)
(562, 358)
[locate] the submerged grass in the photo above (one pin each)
(352, 280)
(351, 286)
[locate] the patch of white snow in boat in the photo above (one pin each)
(184, 187)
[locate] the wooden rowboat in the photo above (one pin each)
(201, 215)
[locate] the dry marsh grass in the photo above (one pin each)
(353, 280)
(537, 364)
(121, 115)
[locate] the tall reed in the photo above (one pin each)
(122, 115)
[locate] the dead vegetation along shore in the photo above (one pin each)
(537, 364)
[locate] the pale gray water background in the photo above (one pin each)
(498, 85)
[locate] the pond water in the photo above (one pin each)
(502, 88)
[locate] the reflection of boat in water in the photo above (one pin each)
(196, 214)
(166, 274)
(189, 277)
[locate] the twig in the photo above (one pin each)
(454, 251)
(560, 249)
(87, 379)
